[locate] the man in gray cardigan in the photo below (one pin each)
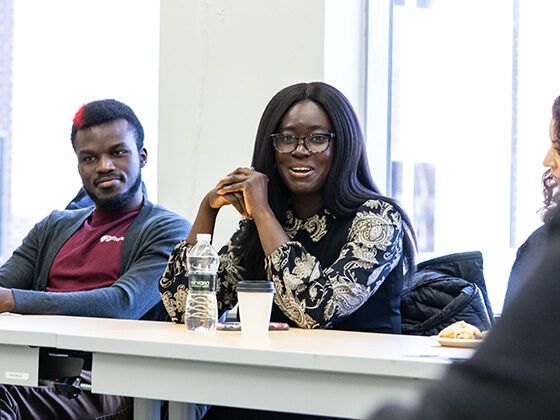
(103, 261)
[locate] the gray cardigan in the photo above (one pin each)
(146, 248)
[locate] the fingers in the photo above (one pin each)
(231, 179)
(228, 189)
(241, 207)
(235, 177)
(237, 201)
(243, 171)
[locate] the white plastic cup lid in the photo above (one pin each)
(203, 237)
(256, 286)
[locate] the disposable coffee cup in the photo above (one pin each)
(255, 305)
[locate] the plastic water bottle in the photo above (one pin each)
(201, 313)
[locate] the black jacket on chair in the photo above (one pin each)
(445, 290)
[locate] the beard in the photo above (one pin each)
(119, 201)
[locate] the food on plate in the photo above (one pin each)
(461, 329)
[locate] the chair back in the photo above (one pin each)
(445, 290)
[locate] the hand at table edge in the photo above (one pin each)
(7, 301)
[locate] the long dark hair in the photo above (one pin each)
(550, 188)
(349, 183)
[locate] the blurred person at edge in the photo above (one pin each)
(515, 372)
(531, 249)
(103, 260)
(313, 222)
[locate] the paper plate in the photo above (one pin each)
(458, 342)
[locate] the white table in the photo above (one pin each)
(322, 372)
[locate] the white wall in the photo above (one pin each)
(345, 45)
(62, 60)
(220, 63)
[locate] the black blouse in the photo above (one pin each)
(335, 272)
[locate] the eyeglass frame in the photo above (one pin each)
(304, 140)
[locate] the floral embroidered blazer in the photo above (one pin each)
(335, 272)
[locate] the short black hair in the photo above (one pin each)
(104, 111)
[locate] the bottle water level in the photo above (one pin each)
(201, 312)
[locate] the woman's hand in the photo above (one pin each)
(244, 188)
(216, 201)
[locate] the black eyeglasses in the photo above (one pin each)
(315, 143)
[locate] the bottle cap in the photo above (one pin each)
(203, 237)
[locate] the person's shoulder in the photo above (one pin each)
(377, 206)
(68, 215)
(378, 211)
(58, 220)
(376, 221)
(538, 234)
(535, 239)
(157, 214)
(157, 210)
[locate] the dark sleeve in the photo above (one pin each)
(173, 285)
(527, 255)
(515, 372)
(313, 296)
(132, 295)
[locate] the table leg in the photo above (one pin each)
(145, 409)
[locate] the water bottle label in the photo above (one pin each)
(202, 282)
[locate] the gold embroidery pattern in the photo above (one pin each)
(176, 270)
(316, 225)
(230, 272)
(315, 297)
(308, 294)
(292, 224)
(174, 283)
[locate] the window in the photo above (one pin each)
(6, 35)
(459, 98)
(54, 57)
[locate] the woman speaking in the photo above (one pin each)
(530, 252)
(314, 222)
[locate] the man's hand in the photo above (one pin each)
(7, 302)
